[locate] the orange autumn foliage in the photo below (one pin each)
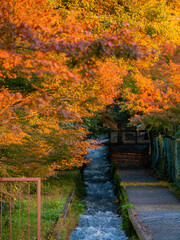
(42, 127)
(155, 98)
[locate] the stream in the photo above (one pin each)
(100, 221)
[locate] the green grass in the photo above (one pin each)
(77, 208)
(54, 192)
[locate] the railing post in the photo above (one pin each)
(39, 209)
(1, 210)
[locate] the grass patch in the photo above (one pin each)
(54, 192)
(77, 208)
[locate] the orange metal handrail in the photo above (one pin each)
(38, 181)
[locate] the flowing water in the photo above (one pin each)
(100, 221)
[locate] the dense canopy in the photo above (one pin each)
(64, 61)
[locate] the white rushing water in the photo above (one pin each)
(99, 222)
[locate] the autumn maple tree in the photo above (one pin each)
(49, 81)
(150, 92)
(154, 97)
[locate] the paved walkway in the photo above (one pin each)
(156, 211)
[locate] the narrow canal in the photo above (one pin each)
(100, 221)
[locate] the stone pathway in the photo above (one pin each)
(156, 211)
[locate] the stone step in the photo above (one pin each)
(130, 160)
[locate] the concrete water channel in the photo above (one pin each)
(100, 220)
